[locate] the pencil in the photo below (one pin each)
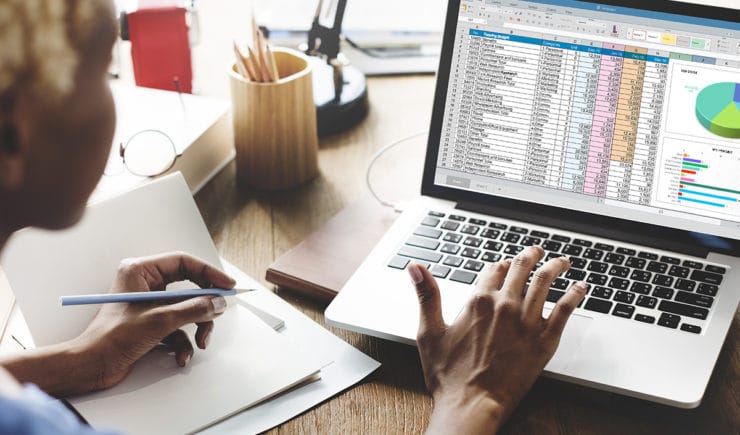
(272, 63)
(240, 64)
(153, 296)
(255, 63)
(261, 46)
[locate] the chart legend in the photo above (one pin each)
(718, 109)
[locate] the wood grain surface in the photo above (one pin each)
(252, 229)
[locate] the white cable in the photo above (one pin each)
(377, 156)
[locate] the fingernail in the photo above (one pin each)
(580, 287)
(219, 304)
(187, 358)
(565, 258)
(207, 340)
(415, 273)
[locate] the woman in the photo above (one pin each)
(56, 125)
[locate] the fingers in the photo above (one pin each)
(203, 334)
(196, 310)
(540, 285)
(493, 277)
(179, 342)
(430, 302)
(521, 267)
(161, 270)
(564, 308)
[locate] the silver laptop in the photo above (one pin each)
(608, 132)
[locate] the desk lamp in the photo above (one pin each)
(340, 90)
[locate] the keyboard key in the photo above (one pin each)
(553, 246)
(663, 293)
(560, 283)
(636, 263)
(693, 264)
(475, 266)
(648, 255)
(540, 234)
(436, 214)
(670, 260)
(709, 278)
(458, 218)
(453, 261)
(497, 226)
(679, 272)
(554, 295)
(598, 267)
(597, 279)
(663, 280)
(513, 249)
(593, 254)
(641, 275)
(625, 297)
(423, 242)
(493, 246)
(612, 258)
(478, 222)
(646, 302)
(691, 328)
(449, 248)
(627, 252)
(656, 267)
(510, 238)
(530, 241)
(581, 242)
(430, 222)
(441, 271)
(470, 229)
(559, 238)
(602, 292)
(669, 320)
(604, 247)
(572, 250)
(716, 269)
(491, 257)
(576, 274)
(619, 283)
(519, 230)
(645, 319)
(619, 271)
(641, 288)
(490, 234)
(683, 310)
(685, 284)
(428, 232)
(463, 276)
(471, 253)
(399, 263)
(577, 263)
(473, 241)
(450, 226)
(453, 238)
(622, 310)
(695, 299)
(420, 254)
(598, 305)
(707, 289)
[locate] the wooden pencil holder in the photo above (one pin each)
(275, 131)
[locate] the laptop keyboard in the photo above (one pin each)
(643, 286)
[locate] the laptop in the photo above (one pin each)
(606, 131)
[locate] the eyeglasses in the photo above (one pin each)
(147, 153)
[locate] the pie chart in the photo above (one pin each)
(718, 109)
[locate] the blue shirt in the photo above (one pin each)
(33, 412)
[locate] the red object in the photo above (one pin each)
(160, 49)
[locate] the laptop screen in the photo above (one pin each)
(603, 109)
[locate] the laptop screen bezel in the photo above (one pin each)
(491, 201)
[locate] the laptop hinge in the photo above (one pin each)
(628, 232)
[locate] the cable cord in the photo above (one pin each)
(376, 157)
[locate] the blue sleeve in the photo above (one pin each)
(34, 413)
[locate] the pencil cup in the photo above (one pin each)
(275, 126)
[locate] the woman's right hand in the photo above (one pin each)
(480, 367)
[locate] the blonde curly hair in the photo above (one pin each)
(40, 42)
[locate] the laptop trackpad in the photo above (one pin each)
(570, 342)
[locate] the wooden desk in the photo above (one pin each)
(253, 229)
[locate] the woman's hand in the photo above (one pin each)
(480, 367)
(120, 334)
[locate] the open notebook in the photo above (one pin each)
(246, 362)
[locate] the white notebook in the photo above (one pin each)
(246, 362)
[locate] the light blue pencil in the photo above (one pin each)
(154, 296)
